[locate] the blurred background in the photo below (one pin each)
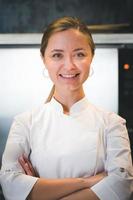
(23, 84)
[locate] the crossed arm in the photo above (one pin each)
(63, 189)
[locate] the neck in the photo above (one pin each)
(67, 99)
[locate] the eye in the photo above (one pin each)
(80, 54)
(57, 56)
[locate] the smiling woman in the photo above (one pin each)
(67, 58)
(68, 148)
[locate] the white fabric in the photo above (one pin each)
(81, 144)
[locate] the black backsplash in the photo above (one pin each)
(31, 16)
(126, 89)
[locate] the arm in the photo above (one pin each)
(18, 185)
(15, 184)
(118, 185)
(57, 188)
(86, 194)
(46, 189)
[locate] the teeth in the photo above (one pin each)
(68, 75)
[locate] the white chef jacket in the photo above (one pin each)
(87, 141)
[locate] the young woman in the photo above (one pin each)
(67, 149)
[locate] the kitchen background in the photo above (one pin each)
(22, 84)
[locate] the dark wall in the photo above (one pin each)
(126, 89)
(18, 16)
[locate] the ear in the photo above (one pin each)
(42, 58)
(91, 59)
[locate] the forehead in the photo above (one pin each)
(67, 37)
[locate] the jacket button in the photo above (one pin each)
(122, 169)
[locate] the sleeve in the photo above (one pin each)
(118, 185)
(16, 185)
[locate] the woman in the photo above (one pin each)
(67, 149)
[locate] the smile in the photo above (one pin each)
(69, 76)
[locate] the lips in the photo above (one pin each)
(69, 76)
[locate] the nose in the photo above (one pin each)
(69, 63)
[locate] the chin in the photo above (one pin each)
(72, 88)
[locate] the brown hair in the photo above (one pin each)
(62, 24)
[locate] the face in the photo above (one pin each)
(67, 58)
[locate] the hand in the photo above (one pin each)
(27, 166)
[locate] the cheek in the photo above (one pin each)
(52, 71)
(48, 64)
(84, 67)
(87, 66)
(86, 72)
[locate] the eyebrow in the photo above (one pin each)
(78, 49)
(60, 50)
(57, 50)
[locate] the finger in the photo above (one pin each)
(21, 161)
(29, 164)
(25, 158)
(27, 161)
(30, 167)
(28, 171)
(25, 167)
